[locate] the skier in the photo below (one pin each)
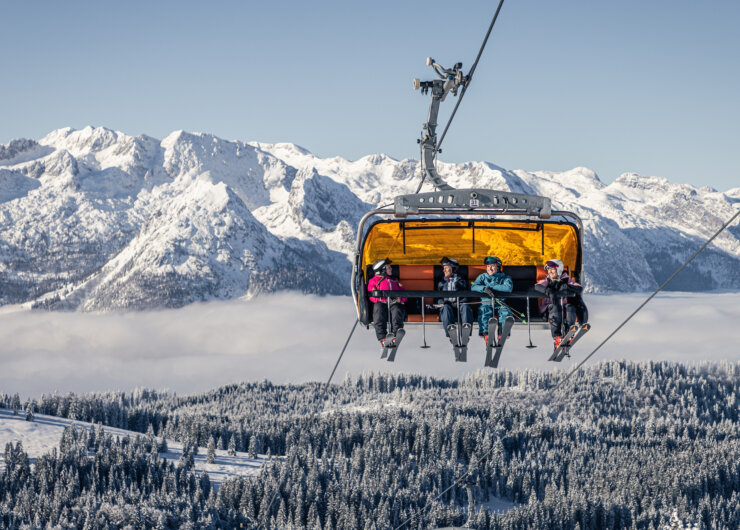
(563, 295)
(494, 279)
(385, 281)
(448, 312)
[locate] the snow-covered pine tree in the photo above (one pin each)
(15, 403)
(29, 411)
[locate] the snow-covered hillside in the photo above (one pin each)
(43, 434)
(94, 219)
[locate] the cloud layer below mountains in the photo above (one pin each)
(293, 338)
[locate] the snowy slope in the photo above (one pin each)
(94, 219)
(44, 433)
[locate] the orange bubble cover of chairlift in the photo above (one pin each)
(516, 243)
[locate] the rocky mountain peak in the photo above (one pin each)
(95, 219)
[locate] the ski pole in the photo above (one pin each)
(563, 325)
(529, 327)
(390, 325)
(516, 313)
(495, 331)
(459, 324)
(423, 324)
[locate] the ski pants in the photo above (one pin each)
(380, 318)
(486, 312)
(448, 315)
(555, 314)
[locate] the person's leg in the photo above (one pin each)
(555, 313)
(398, 315)
(485, 313)
(503, 312)
(380, 319)
(581, 311)
(466, 314)
(447, 316)
(570, 315)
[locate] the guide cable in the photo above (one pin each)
(486, 456)
(325, 388)
(647, 300)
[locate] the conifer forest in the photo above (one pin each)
(618, 445)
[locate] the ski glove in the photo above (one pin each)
(549, 292)
(489, 292)
(563, 287)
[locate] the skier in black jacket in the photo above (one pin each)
(562, 297)
(453, 282)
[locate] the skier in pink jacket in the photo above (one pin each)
(385, 281)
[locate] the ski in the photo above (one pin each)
(386, 346)
(508, 323)
(557, 354)
(562, 350)
(394, 342)
(452, 332)
(492, 323)
(459, 342)
(467, 329)
(579, 332)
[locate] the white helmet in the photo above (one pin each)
(379, 266)
(555, 264)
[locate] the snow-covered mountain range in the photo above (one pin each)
(94, 219)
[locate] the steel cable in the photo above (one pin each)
(490, 452)
(279, 485)
(470, 74)
(718, 232)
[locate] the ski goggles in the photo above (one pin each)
(551, 265)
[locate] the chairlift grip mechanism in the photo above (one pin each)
(450, 80)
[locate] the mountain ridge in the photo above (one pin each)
(97, 220)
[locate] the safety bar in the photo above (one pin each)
(530, 293)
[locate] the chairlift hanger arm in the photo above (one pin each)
(450, 80)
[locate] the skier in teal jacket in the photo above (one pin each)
(492, 282)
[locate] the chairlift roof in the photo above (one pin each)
(425, 241)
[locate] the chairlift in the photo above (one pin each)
(465, 224)
(468, 225)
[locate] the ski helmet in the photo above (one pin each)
(493, 260)
(452, 262)
(555, 264)
(379, 266)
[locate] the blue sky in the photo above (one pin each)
(631, 86)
